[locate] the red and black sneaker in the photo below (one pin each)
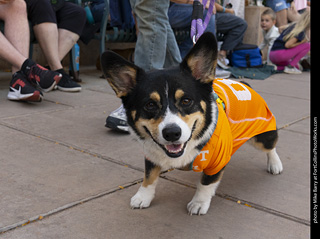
(41, 76)
(22, 89)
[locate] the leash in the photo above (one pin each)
(198, 26)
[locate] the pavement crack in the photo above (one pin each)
(293, 122)
(68, 206)
(73, 147)
(243, 202)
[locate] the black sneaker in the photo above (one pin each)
(22, 89)
(66, 84)
(40, 76)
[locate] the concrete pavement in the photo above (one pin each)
(64, 175)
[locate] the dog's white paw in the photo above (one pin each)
(197, 207)
(274, 163)
(142, 198)
(200, 202)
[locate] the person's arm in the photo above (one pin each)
(294, 42)
(220, 8)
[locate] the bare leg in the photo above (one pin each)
(47, 36)
(282, 18)
(66, 41)
(10, 54)
(56, 42)
(15, 46)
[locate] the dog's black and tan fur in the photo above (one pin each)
(173, 113)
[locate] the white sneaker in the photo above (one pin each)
(117, 120)
(222, 73)
(223, 62)
(291, 70)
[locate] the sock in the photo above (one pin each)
(61, 71)
(26, 66)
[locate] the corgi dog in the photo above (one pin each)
(185, 118)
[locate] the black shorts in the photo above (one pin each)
(70, 16)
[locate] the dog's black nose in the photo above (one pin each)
(171, 133)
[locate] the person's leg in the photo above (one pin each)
(172, 51)
(15, 44)
(280, 59)
(47, 36)
(233, 29)
(71, 20)
(299, 52)
(290, 56)
(66, 41)
(280, 8)
(57, 31)
(151, 43)
(180, 18)
(11, 54)
(44, 22)
(282, 18)
(45, 25)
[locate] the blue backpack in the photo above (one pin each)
(246, 55)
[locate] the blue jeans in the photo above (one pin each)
(156, 45)
(180, 17)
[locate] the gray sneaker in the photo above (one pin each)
(117, 120)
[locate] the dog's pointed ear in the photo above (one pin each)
(202, 58)
(120, 73)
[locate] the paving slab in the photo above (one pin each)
(246, 177)
(59, 162)
(111, 217)
(294, 86)
(38, 175)
(86, 131)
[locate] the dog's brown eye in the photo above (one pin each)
(150, 106)
(186, 102)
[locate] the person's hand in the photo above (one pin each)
(5, 1)
(230, 10)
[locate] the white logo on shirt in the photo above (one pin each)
(203, 153)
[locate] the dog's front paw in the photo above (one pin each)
(198, 207)
(142, 198)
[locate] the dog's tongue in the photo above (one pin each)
(174, 148)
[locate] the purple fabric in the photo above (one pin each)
(197, 25)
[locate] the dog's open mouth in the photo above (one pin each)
(174, 150)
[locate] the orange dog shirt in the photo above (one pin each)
(246, 115)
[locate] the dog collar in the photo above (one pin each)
(218, 100)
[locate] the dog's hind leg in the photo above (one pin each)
(267, 142)
(146, 192)
(206, 189)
